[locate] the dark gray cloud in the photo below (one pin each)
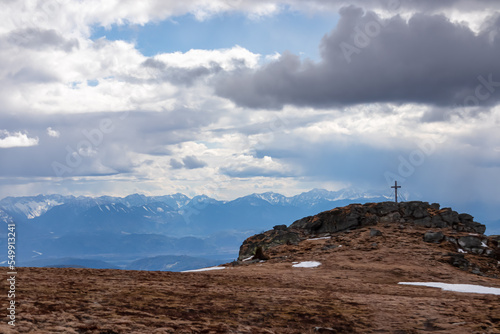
(426, 6)
(188, 162)
(365, 59)
(192, 162)
(176, 164)
(40, 39)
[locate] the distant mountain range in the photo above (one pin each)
(122, 230)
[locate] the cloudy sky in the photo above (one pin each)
(231, 97)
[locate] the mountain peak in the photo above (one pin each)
(359, 225)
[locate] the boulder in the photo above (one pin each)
(375, 233)
(433, 237)
(437, 221)
(266, 240)
(390, 218)
(470, 242)
(435, 206)
(465, 218)
(426, 222)
(449, 216)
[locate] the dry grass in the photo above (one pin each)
(354, 291)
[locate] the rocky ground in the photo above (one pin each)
(354, 290)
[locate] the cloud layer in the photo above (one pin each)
(98, 116)
(366, 59)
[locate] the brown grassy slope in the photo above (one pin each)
(355, 290)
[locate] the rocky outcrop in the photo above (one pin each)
(434, 237)
(356, 216)
(279, 235)
(417, 213)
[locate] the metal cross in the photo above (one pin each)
(395, 187)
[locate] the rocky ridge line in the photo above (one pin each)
(459, 231)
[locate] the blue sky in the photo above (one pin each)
(228, 98)
(292, 31)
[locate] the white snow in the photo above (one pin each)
(460, 250)
(307, 264)
(483, 244)
(203, 269)
(160, 210)
(248, 258)
(322, 238)
(466, 288)
(35, 209)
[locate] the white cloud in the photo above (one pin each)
(53, 133)
(17, 139)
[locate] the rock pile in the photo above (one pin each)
(460, 231)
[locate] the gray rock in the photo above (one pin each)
(426, 222)
(280, 227)
(433, 237)
(465, 218)
(452, 240)
(449, 216)
(458, 260)
(475, 227)
(390, 218)
(437, 221)
(385, 208)
(375, 233)
(477, 250)
(435, 206)
(469, 242)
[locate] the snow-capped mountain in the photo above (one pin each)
(115, 229)
(317, 196)
(31, 207)
(4, 217)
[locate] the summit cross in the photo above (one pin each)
(395, 187)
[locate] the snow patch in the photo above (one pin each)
(248, 258)
(203, 269)
(483, 244)
(307, 264)
(321, 238)
(35, 209)
(460, 250)
(466, 288)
